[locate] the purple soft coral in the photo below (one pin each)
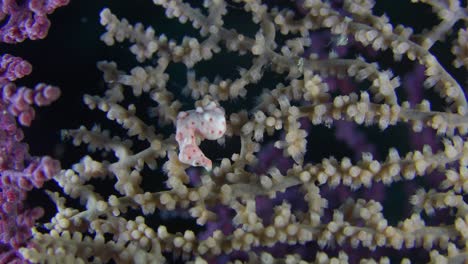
(21, 99)
(12, 68)
(19, 171)
(26, 19)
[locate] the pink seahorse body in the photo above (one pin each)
(206, 122)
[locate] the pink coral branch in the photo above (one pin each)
(26, 19)
(12, 68)
(21, 99)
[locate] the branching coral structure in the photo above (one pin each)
(19, 170)
(340, 68)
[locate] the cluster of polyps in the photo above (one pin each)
(193, 126)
